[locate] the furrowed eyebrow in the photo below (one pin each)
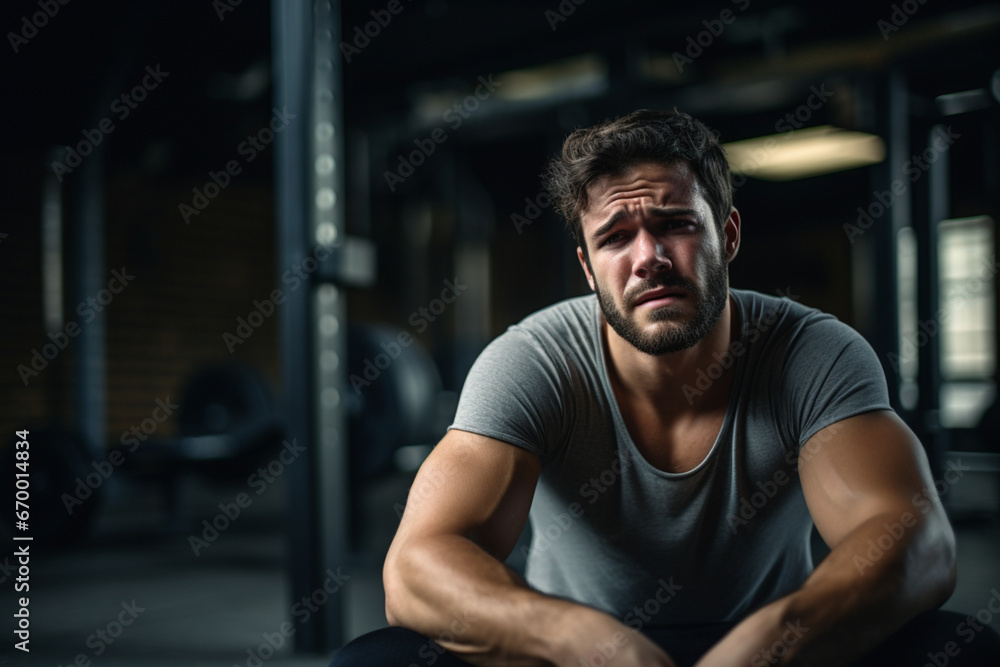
(606, 227)
(656, 211)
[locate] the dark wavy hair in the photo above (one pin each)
(611, 148)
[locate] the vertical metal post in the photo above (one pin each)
(52, 265)
(471, 261)
(894, 121)
(936, 207)
(330, 311)
(291, 90)
(309, 197)
(88, 279)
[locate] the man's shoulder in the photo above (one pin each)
(564, 332)
(782, 310)
(783, 323)
(784, 300)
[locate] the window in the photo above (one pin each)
(967, 302)
(906, 280)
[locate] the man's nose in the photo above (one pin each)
(651, 256)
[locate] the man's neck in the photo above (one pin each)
(661, 380)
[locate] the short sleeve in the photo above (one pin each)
(830, 373)
(515, 393)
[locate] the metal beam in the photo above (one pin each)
(327, 231)
(89, 277)
(936, 203)
(310, 326)
(893, 120)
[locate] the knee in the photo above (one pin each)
(392, 647)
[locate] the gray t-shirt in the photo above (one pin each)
(655, 548)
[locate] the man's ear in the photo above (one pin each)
(586, 267)
(731, 231)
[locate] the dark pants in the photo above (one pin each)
(934, 639)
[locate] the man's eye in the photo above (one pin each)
(676, 224)
(612, 238)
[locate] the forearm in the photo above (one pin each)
(858, 596)
(870, 585)
(451, 590)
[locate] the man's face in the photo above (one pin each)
(657, 261)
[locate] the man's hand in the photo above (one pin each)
(582, 637)
(467, 507)
(594, 638)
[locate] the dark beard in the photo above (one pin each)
(708, 308)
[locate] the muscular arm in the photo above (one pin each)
(465, 511)
(444, 575)
(866, 482)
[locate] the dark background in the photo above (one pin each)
(193, 280)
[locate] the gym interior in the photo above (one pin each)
(250, 251)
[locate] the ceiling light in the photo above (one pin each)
(803, 153)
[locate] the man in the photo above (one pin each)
(674, 440)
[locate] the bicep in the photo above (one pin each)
(473, 486)
(862, 467)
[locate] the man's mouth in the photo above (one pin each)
(661, 296)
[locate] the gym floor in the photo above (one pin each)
(215, 608)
